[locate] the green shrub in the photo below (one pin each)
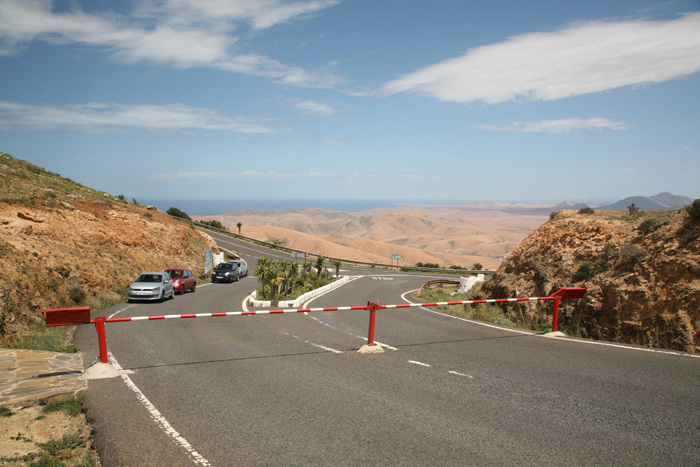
(553, 215)
(630, 256)
(175, 212)
(77, 295)
(586, 210)
(586, 271)
(694, 210)
(649, 225)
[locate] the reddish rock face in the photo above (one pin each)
(642, 273)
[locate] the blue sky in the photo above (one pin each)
(406, 99)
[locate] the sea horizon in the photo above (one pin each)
(217, 206)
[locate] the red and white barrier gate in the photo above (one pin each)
(75, 316)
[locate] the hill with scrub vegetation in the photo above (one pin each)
(63, 244)
(641, 270)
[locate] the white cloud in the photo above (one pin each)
(103, 117)
(564, 125)
(177, 33)
(260, 14)
(314, 108)
(584, 58)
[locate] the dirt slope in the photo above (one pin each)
(452, 237)
(63, 244)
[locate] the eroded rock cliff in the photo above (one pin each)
(642, 272)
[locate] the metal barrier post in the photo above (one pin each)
(100, 326)
(372, 312)
(555, 314)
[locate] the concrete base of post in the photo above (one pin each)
(100, 371)
(555, 334)
(373, 348)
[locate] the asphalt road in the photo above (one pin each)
(291, 389)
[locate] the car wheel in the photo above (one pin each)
(162, 297)
(194, 286)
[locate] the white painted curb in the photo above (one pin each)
(296, 303)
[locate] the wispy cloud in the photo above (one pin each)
(103, 117)
(583, 58)
(253, 174)
(243, 174)
(564, 125)
(176, 33)
(314, 108)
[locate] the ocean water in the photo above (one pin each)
(214, 206)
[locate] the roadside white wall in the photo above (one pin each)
(466, 283)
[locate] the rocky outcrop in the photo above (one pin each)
(642, 272)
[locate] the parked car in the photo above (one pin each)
(183, 280)
(151, 286)
(242, 267)
(225, 272)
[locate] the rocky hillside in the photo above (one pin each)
(63, 244)
(642, 272)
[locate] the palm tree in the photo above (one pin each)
(262, 270)
(337, 263)
(282, 269)
(290, 273)
(319, 266)
(239, 225)
(306, 268)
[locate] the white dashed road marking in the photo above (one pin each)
(419, 363)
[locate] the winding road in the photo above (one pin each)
(291, 389)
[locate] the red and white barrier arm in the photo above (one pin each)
(234, 313)
(306, 310)
(75, 316)
(468, 302)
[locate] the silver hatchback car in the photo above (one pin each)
(151, 286)
(242, 267)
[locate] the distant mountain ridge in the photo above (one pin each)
(662, 202)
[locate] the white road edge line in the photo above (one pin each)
(157, 417)
(565, 338)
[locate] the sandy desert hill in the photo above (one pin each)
(443, 234)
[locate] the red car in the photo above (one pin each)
(183, 280)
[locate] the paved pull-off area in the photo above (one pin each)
(30, 375)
